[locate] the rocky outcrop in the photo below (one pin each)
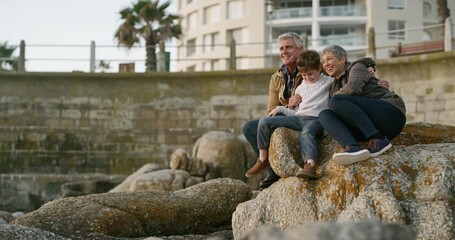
(203, 208)
(412, 184)
(407, 193)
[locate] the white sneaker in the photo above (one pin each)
(352, 154)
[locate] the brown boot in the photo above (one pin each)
(259, 166)
(308, 172)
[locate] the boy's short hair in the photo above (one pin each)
(309, 60)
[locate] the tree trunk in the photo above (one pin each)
(443, 13)
(151, 57)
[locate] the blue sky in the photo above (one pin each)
(66, 22)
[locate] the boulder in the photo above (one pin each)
(200, 209)
(180, 160)
(224, 152)
(125, 186)
(161, 180)
(411, 184)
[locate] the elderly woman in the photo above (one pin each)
(360, 109)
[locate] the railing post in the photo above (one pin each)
(92, 56)
(21, 60)
(232, 57)
(304, 38)
(371, 43)
(448, 35)
(161, 66)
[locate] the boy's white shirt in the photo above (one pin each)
(315, 97)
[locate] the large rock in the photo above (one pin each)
(412, 184)
(224, 151)
(203, 208)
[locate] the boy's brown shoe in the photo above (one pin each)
(259, 166)
(308, 172)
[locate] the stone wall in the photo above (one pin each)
(426, 83)
(115, 123)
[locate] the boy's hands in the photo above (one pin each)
(294, 101)
(273, 112)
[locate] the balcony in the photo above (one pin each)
(343, 11)
(338, 11)
(287, 13)
(344, 40)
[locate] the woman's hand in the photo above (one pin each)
(370, 70)
(384, 83)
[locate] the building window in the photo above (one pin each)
(240, 35)
(394, 30)
(189, 1)
(190, 47)
(396, 4)
(192, 20)
(212, 14)
(210, 41)
(235, 9)
(426, 9)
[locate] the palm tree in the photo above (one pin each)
(149, 21)
(7, 52)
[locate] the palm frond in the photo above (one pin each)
(148, 20)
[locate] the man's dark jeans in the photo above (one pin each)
(250, 131)
(353, 119)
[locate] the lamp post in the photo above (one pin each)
(269, 5)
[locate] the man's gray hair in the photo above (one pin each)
(336, 50)
(293, 35)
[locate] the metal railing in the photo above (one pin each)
(76, 57)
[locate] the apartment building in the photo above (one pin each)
(211, 25)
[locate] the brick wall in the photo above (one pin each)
(114, 123)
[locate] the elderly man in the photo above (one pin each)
(281, 93)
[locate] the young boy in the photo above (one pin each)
(314, 91)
